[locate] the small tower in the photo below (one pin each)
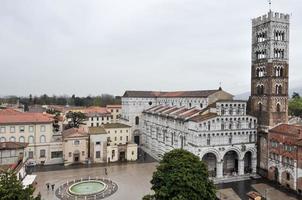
(269, 73)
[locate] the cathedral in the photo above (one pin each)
(236, 139)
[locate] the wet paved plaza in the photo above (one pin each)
(133, 181)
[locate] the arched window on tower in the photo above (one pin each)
(278, 89)
(278, 107)
(260, 107)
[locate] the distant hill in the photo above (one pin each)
(245, 95)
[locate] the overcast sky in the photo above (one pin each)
(108, 46)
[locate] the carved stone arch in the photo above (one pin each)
(253, 150)
(236, 149)
(213, 151)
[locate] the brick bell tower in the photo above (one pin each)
(269, 74)
(269, 78)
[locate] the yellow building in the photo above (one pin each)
(120, 147)
(75, 145)
(115, 111)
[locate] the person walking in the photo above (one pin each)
(52, 187)
(106, 173)
(47, 185)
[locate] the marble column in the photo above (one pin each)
(240, 167)
(219, 169)
(254, 165)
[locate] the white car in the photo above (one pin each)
(31, 163)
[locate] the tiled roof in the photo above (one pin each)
(114, 106)
(200, 118)
(9, 111)
(287, 129)
(12, 145)
(74, 133)
(115, 125)
(19, 118)
(96, 111)
(97, 130)
(156, 94)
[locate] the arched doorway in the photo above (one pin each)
(136, 137)
(210, 160)
(230, 163)
(76, 156)
(248, 162)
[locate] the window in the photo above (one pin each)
(115, 139)
(98, 143)
(98, 154)
(69, 154)
(278, 108)
(12, 129)
(121, 138)
(42, 153)
(2, 129)
(201, 105)
(57, 154)
(113, 154)
(126, 138)
(42, 128)
(208, 141)
(83, 153)
(76, 142)
(97, 118)
(31, 139)
(132, 152)
(12, 139)
(97, 124)
(30, 154)
(21, 129)
(287, 176)
(31, 129)
(230, 139)
(21, 139)
(91, 124)
(278, 89)
(42, 139)
(260, 107)
(136, 120)
(91, 118)
(2, 139)
(107, 118)
(274, 144)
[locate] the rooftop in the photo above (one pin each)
(115, 125)
(74, 133)
(181, 94)
(19, 118)
(97, 130)
(12, 145)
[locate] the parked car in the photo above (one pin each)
(31, 163)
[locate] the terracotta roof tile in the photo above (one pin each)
(20, 118)
(12, 145)
(200, 118)
(74, 132)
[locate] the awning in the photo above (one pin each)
(28, 180)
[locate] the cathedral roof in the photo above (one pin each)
(180, 94)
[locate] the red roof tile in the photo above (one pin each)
(74, 132)
(25, 118)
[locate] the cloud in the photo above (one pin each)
(93, 47)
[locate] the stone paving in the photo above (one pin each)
(133, 179)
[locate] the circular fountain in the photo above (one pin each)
(86, 189)
(90, 187)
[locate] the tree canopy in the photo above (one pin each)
(295, 105)
(181, 176)
(75, 119)
(12, 189)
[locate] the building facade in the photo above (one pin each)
(285, 156)
(105, 143)
(135, 102)
(36, 129)
(222, 135)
